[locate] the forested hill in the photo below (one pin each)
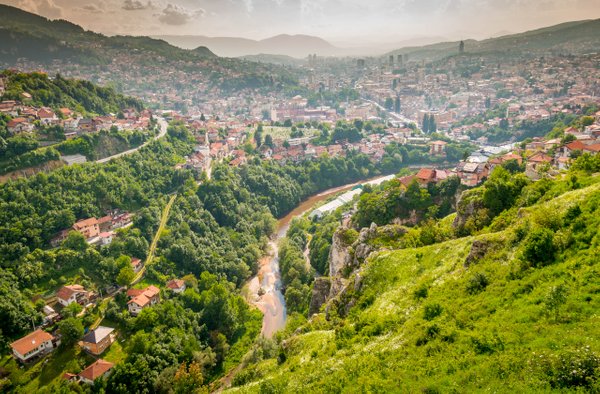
(61, 46)
(82, 96)
(34, 37)
(572, 37)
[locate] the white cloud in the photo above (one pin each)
(136, 5)
(177, 15)
(46, 8)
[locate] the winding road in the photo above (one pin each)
(163, 131)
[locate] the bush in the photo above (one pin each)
(539, 247)
(431, 311)
(477, 283)
(421, 292)
(571, 369)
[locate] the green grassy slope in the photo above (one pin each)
(426, 321)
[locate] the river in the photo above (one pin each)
(264, 290)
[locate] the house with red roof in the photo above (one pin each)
(33, 345)
(425, 176)
(19, 125)
(89, 228)
(99, 369)
(142, 298)
(47, 116)
(176, 285)
(67, 295)
(438, 148)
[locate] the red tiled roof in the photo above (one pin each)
(175, 284)
(85, 223)
(31, 341)
(426, 174)
(66, 292)
(576, 145)
(592, 148)
(96, 370)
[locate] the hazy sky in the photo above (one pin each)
(336, 20)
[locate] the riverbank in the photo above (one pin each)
(264, 289)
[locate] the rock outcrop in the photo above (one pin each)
(320, 293)
(345, 267)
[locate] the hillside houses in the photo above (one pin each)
(142, 298)
(96, 231)
(26, 119)
(33, 345)
(70, 294)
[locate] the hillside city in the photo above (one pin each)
(173, 221)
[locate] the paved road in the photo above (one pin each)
(163, 130)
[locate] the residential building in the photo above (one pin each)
(176, 285)
(70, 294)
(98, 340)
(33, 345)
(142, 298)
(98, 369)
(89, 228)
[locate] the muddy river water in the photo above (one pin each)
(265, 288)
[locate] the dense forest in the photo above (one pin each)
(82, 96)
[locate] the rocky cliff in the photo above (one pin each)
(349, 251)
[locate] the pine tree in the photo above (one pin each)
(426, 123)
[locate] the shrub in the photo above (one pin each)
(477, 283)
(539, 247)
(571, 369)
(421, 292)
(431, 311)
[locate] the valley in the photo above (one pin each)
(185, 211)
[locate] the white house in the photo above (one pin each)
(70, 294)
(35, 344)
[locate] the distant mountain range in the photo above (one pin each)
(297, 46)
(571, 37)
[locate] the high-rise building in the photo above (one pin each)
(391, 61)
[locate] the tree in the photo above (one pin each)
(125, 276)
(269, 141)
(16, 313)
(75, 241)
(461, 47)
(426, 123)
(432, 124)
(188, 379)
(71, 310)
(71, 330)
(539, 247)
(202, 118)
(389, 104)
(555, 299)
(258, 138)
